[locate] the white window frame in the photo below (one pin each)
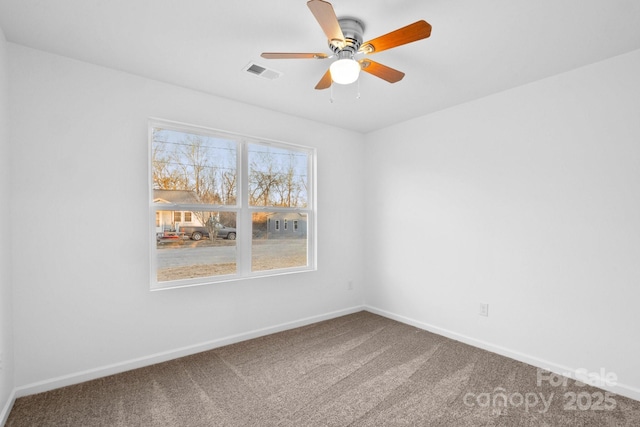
(244, 212)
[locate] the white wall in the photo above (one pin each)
(81, 282)
(527, 200)
(6, 330)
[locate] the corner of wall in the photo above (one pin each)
(7, 384)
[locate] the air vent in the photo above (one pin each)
(260, 71)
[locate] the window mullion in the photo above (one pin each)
(245, 217)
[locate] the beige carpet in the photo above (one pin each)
(356, 370)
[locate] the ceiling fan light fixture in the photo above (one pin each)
(345, 71)
(345, 38)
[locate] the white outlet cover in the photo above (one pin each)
(484, 309)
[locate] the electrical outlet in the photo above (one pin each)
(484, 309)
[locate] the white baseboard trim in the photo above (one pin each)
(152, 359)
(621, 389)
(4, 415)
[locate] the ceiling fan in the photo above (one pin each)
(345, 40)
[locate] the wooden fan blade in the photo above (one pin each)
(413, 32)
(385, 73)
(325, 81)
(285, 55)
(326, 17)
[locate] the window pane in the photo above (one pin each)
(277, 176)
(274, 247)
(193, 169)
(202, 250)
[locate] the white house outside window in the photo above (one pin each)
(213, 198)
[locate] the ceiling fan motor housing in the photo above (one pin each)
(352, 30)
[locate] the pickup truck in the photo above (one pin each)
(197, 232)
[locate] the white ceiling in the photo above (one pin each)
(476, 47)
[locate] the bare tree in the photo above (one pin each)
(276, 183)
(263, 179)
(212, 225)
(290, 184)
(229, 182)
(165, 175)
(192, 159)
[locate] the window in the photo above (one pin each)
(230, 190)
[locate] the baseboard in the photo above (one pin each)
(4, 415)
(620, 389)
(152, 359)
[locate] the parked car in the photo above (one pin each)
(197, 233)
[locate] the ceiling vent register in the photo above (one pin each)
(260, 71)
